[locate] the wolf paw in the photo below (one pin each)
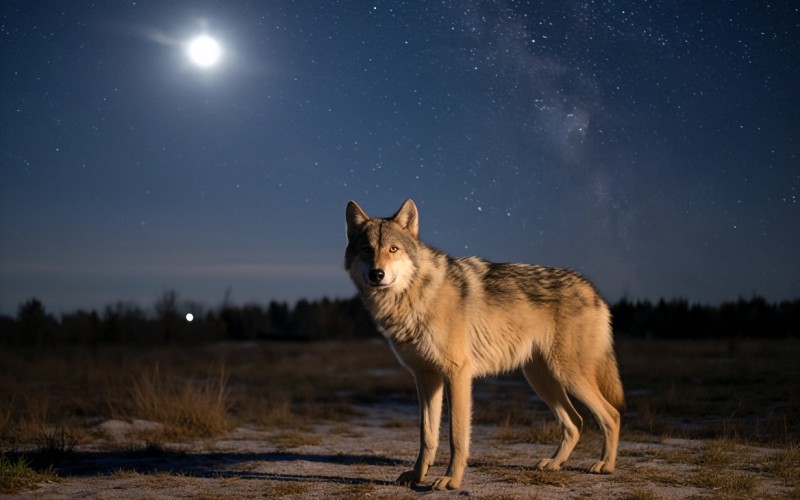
(446, 483)
(408, 478)
(547, 464)
(601, 467)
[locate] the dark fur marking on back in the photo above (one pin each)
(458, 275)
(539, 284)
(501, 282)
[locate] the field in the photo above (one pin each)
(339, 419)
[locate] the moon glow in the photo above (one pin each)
(204, 51)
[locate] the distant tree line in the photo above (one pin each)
(327, 319)
(677, 319)
(123, 323)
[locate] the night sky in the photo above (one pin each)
(652, 145)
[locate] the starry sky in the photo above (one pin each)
(652, 145)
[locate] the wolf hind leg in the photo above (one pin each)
(585, 389)
(552, 392)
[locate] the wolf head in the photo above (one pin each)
(381, 253)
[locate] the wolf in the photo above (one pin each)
(450, 320)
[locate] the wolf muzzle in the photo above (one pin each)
(376, 276)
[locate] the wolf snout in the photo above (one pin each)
(376, 276)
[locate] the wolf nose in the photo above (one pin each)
(376, 275)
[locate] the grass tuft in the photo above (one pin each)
(786, 463)
(282, 489)
(188, 409)
(17, 475)
(545, 431)
(288, 439)
(717, 453)
(725, 482)
(641, 494)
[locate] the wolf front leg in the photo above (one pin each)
(459, 395)
(429, 391)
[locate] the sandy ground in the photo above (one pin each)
(360, 458)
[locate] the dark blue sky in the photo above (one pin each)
(652, 145)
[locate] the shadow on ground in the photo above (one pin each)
(152, 460)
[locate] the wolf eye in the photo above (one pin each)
(366, 249)
(393, 249)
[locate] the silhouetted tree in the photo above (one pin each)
(279, 316)
(167, 314)
(125, 323)
(35, 325)
(82, 327)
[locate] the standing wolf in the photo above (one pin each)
(451, 320)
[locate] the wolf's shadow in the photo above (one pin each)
(154, 460)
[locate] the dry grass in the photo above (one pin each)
(17, 475)
(282, 489)
(533, 477)
(743, 391)
(641, 494)
(786, 464)
(725, 482)
(740, 390)
(188, 408)
(545, 431)
(285, 440)
(358, 491)
(732, 395)
(271, 385)
(346, 431)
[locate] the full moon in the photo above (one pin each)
(204, 51)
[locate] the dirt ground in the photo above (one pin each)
(360, 458)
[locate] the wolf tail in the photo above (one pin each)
(609, 382)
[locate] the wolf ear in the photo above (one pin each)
(355, 217)
(408, 217)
